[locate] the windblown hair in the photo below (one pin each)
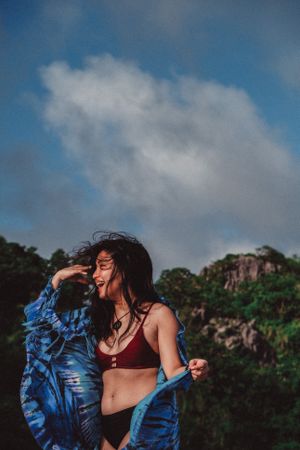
(133, 262)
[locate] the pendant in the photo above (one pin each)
(116, 325)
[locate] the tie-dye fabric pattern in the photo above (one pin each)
(61, 387)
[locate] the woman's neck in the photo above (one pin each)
(121, 308)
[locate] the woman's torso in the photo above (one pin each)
(125, 387)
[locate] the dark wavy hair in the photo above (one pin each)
(133, 262)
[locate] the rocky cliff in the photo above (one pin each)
(239, 268)
(236, 333)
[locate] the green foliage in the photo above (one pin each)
(217, 271)
(181, 287)
(22, 274)
(242, 405)
(287, 264)
(217, 300)
(186, 290)
(59, 259)
(274, 296)
(271, 254)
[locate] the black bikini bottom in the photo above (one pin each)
(116, 425)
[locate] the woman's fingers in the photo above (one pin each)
(78, 272)
(197, 363)
(199, 375)
(199, 369)
(80, 276)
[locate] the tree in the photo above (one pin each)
(23, 272)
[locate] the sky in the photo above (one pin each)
(175, 121)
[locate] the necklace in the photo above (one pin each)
(117, 324)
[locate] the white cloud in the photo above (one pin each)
(192, 161)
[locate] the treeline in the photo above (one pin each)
(246, 404)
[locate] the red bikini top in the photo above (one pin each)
(138, 354)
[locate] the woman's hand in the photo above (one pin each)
(76, 273)
(199, 369)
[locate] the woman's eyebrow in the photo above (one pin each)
(101, 260)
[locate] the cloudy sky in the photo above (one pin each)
(174, 120)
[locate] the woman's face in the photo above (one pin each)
(103, 273)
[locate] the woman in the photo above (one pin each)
(138, 344)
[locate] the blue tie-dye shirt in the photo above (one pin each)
(61, 387)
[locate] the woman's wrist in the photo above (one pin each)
(55, 281)
(181, 370)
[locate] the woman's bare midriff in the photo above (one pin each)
(124, 388)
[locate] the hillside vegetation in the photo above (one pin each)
(242, 314)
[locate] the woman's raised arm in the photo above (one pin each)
(75, 273)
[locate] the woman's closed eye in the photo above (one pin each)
(104, 266)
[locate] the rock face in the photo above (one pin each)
(242, 268)
(236, 333)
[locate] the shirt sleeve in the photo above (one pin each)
(47, 331)
(61, 387)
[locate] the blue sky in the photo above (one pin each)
(177, 121)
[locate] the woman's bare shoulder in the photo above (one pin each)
(158, 309)
(157, 306)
